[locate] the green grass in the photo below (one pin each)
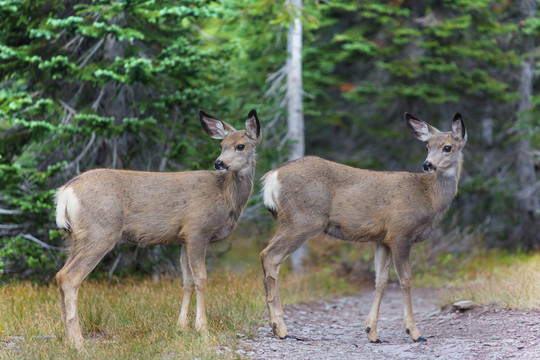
(136, 319)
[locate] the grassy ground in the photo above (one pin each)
(137, 319)
(508, 280)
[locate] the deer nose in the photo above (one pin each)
(427, 166)
(219, 165)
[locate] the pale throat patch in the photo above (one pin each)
(451, 172)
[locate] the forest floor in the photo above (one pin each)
(335, 330)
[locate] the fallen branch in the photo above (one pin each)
(41, 243)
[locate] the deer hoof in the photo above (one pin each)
(420, 339)
(378, 341)
(285, 337)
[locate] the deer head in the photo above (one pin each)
(444, 148)
(237, 147)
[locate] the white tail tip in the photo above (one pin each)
(270, 191)
(67, 205)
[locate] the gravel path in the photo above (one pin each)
(334, 330)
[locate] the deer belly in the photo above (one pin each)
(356, 232)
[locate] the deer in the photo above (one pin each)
(395, 209)
(101, 207)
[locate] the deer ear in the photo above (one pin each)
(253, 127)
(458, 128)
(215, 128)
(420, 129)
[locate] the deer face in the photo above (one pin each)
(444, 148)
(237, 147)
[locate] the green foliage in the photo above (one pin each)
(94, 84)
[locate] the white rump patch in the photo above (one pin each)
(67, 204)
(271, 191)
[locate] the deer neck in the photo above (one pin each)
(237, 187)
(443, 186)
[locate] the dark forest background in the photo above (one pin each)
(117, 84)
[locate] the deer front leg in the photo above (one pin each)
(189, 287)
(196, 252)
(400, 256)
(382, 269)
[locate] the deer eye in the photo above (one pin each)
(240, 147)
(447, 148)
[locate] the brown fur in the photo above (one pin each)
(392, 209)
(192, 208)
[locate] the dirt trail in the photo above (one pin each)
(335, 330)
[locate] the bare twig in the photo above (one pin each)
(70, 42)
(279, 72)
(203, 33)
(115, 152)
(10, 226)
(71, 112)
(82, 154)
(68, 107)
(10, 212)
(115, 264)
(95, 105)
(91, 53)
(41, 243)
(279, 76)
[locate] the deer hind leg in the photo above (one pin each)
(403, 269)
(283, 244)
(382, 269)
(79, 264)
(189, 287)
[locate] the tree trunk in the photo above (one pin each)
(527, 197)
(295, 109)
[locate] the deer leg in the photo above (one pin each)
(382, 269)
(282, 245)
(69, 280)
(62, 295)
(400, 257)
(196, 252)
(189, 287)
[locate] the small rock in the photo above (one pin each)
(464, 305)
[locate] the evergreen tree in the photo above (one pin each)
(94, 84)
